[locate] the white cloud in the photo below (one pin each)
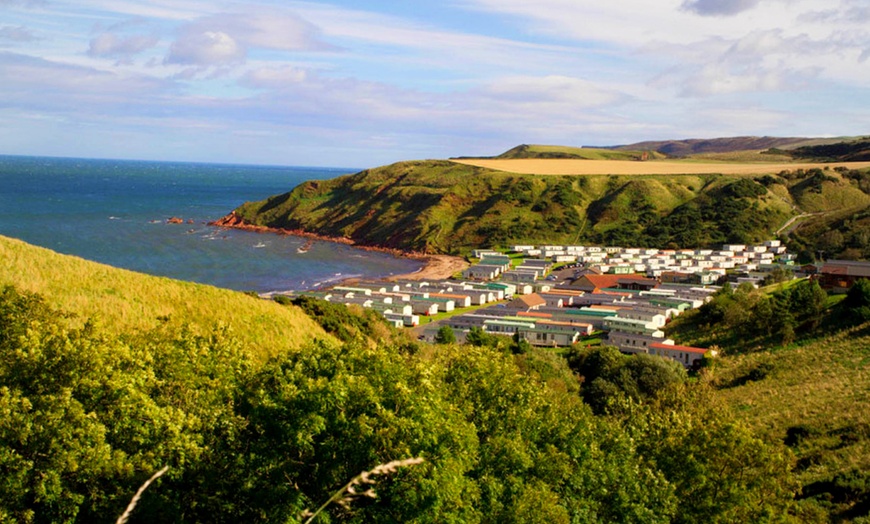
(111, 45)
(16, 34)
(226, 39)
(505, 72)
(272, 30)
(553, 90)
(400, 42)
(274, 77)
(205, 48)
(35, 84)
(788, 31)
(719, 7)
(714, 79)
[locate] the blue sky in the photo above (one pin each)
(368, 83)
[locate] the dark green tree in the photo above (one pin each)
(608, 375)
(445, 335)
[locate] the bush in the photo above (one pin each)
(445, 335)
(608, 374)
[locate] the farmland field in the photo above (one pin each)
(540, 166)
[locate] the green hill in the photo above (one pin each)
(125, 301)
(852, 150)
(841, 228)
(445, 207)
(697, 146)
(815, 398)
(582, 153)
(797, 369)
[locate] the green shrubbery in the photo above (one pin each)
(745, 319)
(343, 322)
(609, 376)
(87, 417)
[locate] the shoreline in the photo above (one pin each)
(435, 267)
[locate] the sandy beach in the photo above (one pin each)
(438, 267)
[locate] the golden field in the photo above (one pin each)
(537, 166)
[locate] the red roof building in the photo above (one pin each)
(840, 275)
(597, 283)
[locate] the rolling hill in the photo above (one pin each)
(581, 153)
(438, 206)
(700, 146)
(694, 146)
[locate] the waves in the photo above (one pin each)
(110, 212)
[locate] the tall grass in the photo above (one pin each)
(127, 301)
(821, 388)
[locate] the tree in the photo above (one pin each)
(807, 301)
(722, 471)
(478, 337)
(445, 335)
(609, 375)
(85, 417)
(857, 300)
(858, 295)
(519, 344)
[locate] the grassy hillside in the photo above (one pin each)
(125, 301)
(854, 150)
(446, 207)
(694, 146)
(841, 228)
(583, 153)
(815, 398)
(795, 365)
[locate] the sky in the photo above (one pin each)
(368, 83)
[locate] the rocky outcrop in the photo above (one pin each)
(231, 220)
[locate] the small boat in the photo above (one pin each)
(258, 245)
(306, 247)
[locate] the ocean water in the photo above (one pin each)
(115, 212)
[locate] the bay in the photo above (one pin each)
(116, 211)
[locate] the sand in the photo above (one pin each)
(438, 267)
(538, 166)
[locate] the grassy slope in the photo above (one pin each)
(822, 387)
(842, 227)
(446, 207)
(126, 301)
(857, 149)
(723, 145)
(585, 153)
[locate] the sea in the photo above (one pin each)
(116, 212)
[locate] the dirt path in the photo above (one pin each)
(790, 224)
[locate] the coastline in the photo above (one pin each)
(435, 267)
